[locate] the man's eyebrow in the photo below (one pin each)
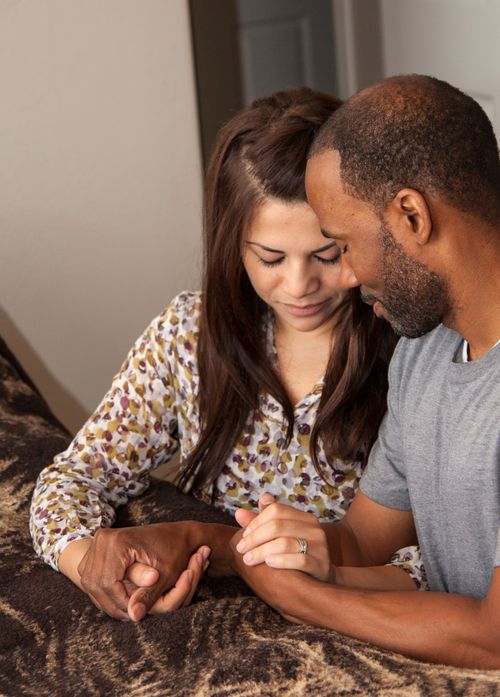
(329, 235)
(279, 251)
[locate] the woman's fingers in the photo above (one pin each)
(141, 574)
(198, 566)
(279, 546)
(244, 517)
(273, 529)
(274, 538)
(265, 500)
(277, 512)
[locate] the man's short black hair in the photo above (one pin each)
(420, 132)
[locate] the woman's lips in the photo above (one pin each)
(304, 311)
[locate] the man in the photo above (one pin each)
(405, 177)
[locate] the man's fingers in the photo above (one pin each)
(114, 606)
(142, 574)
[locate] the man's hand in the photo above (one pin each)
(273, 538)
(178, 596)
(165, 548)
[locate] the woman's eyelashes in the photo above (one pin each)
(322, 260)
(274, 262)
(332, 260)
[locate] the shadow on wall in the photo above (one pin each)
(67, 409)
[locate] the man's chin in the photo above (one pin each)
(414, 332)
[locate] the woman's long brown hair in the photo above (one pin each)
(261, 153)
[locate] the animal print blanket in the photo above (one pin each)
(53, 641)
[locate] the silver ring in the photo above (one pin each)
(302, 545)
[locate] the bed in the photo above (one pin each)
(53, 641)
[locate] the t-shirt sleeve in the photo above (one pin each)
(384, 479)
(497, 555)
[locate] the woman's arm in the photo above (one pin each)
(334, 553)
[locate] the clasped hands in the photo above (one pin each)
(131, 572)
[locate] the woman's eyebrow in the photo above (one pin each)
(280, 251)
(323, 249)
(267, 249)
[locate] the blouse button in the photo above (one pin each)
(282, 468)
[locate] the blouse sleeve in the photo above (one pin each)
(132, 431)
(410, 560)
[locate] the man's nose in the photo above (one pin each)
(347, 277)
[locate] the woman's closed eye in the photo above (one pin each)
(331, 259)
(332, 255)
(328, 260)
(270, 262)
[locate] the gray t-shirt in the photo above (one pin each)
(438, 454)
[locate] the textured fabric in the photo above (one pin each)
(438, 454)
(150, 412)
(55, 643)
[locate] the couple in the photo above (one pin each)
(273, 384)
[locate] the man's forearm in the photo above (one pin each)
(216, 536)
(436, 627)
(343, 546)
(381, 578)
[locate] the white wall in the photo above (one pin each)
(100, 184)
(455, 40)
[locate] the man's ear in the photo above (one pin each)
(409, 217)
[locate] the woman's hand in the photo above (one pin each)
(274, 538)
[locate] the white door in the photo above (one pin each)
(284, 44)
(454, 40)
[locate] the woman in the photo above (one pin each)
(271, 379)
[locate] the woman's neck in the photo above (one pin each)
(302, 358)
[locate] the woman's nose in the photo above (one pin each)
(299, 282)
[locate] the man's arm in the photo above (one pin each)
(436, 627)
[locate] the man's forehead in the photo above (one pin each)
(323, 181)
(324, 167)
(338, 211)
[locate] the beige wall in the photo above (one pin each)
(100, 184)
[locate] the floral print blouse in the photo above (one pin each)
(150, 412)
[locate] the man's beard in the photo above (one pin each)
(415, 299)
